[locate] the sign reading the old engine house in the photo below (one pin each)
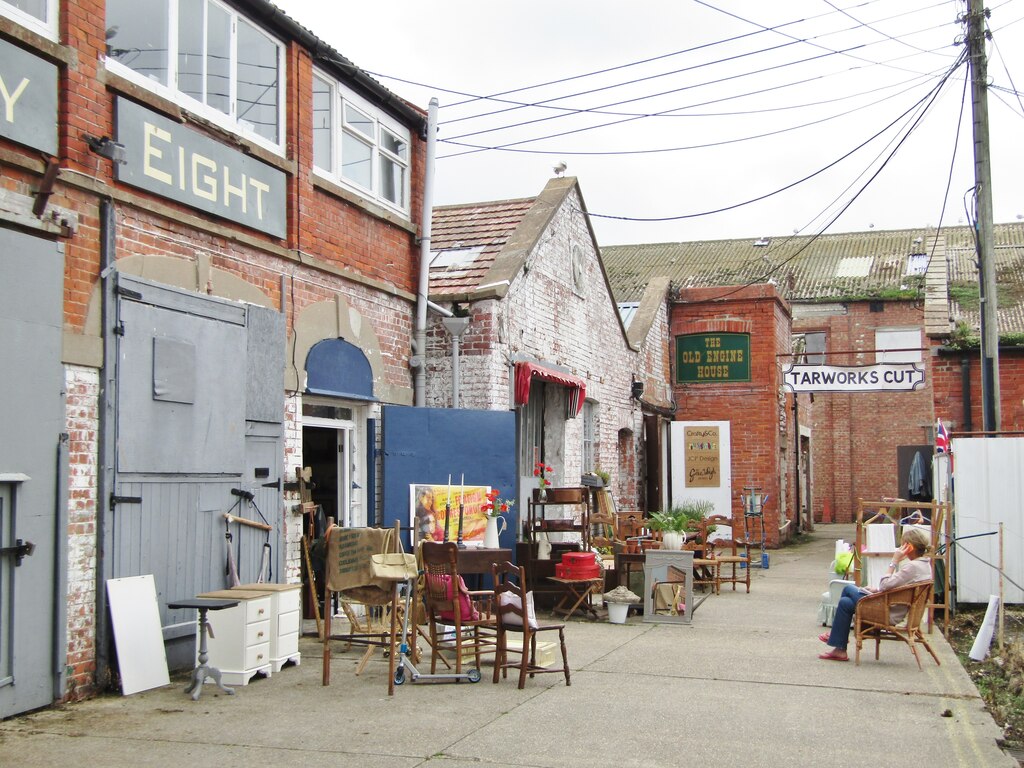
(712, 358)
(169, 159)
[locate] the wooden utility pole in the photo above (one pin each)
(976, 36)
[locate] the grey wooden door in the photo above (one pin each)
(31, 427)
(199, 412)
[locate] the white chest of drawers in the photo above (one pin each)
(285, 621)
(239, 643)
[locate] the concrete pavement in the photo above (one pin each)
(741, 686)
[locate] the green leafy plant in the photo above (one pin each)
(677, 519)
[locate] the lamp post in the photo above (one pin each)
(456, 327)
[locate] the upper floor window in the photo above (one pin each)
(360, 146)
(589, 436)
(810, 347)
(38, 15)
(898, 345)
(227, 69)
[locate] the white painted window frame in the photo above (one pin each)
(227, 122)
(340, 96)
(46, 27)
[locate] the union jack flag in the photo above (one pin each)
(941, 438)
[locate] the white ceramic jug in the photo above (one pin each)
(492, 532)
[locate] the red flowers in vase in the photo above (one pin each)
(495, 506)
(540, 470)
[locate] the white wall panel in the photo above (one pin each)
(988, 487)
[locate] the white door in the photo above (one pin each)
(702, 463)
(334, 439)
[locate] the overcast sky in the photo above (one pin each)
(677, 108)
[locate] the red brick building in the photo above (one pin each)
(859, 299)
(208, 228)
(762, 447)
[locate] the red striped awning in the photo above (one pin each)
(526, 372)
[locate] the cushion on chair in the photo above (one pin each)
(514, 619)
(467, 611)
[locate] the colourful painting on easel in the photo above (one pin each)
(430, 506)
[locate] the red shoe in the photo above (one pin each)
(823, 637)
(834, 655)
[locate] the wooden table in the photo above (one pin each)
(479, 560)
(579, 591)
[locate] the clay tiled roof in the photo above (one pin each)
(465, 240)
(853, 265)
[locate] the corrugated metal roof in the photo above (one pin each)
(810, 269)
(479, 230)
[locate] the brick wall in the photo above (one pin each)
(82, 413)
(757, 410)
(336, 246)
(947, 376)
(543, 317)
(855, 435)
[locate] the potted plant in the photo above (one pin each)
(674, 522)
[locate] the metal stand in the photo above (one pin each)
(753, 510)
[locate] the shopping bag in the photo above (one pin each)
(393, 566)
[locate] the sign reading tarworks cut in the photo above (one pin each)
(883, 377)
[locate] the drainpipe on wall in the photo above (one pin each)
(418, 362)
(107, 439)
(965, 380)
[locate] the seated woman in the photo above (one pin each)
(918, 568)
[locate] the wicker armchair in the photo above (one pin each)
(873, 619)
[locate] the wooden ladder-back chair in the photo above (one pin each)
(705, 567)
(458, 619)
(874, 618)
(515, 613)
(729, 551)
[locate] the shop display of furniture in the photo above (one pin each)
(873, 619)
(239, 640)
(203, 670)
(732, 554)
(563, 511)
(458, 619)
(515, 614)
(284, 621)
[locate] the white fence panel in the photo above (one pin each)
(988, 488)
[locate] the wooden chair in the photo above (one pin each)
(728, 551)
(873, 619)
(705, 567)
(450, 605)
(514, 608)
